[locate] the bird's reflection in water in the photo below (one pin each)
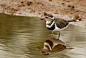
(53, 45)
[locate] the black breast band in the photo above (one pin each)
(52, 28)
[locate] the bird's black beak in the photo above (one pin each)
(41, 19)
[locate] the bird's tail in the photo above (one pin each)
(75, 19)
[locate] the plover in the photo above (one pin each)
(58, 24)
(53, 45)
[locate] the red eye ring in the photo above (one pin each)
(46, 17)
(43, 18)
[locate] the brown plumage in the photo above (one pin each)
(61, 23)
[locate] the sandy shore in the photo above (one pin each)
(65, 9)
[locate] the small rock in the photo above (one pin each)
(14, 9)
(70, 6)
(71, 13)
(55, 13)
(39, 2)
(5, 8)
(50, 0)
(42, 4)
(19, 5)
(23, 5)
(77, 10)
(22, 2)
(63, 3)
(39, 13)
(29, 3)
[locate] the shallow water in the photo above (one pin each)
(20, 37)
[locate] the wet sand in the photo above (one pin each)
(65, 9)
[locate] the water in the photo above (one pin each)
(20, 37)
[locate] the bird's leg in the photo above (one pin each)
(52, 33)
(59, 35)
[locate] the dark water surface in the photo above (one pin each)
(20, 37)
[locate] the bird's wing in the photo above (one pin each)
(61, 23)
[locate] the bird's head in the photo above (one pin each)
(48, 17)
(44, 51)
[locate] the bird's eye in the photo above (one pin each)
(46, 17)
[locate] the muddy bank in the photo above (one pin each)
(65, 9)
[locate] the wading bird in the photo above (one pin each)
(58, 24)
